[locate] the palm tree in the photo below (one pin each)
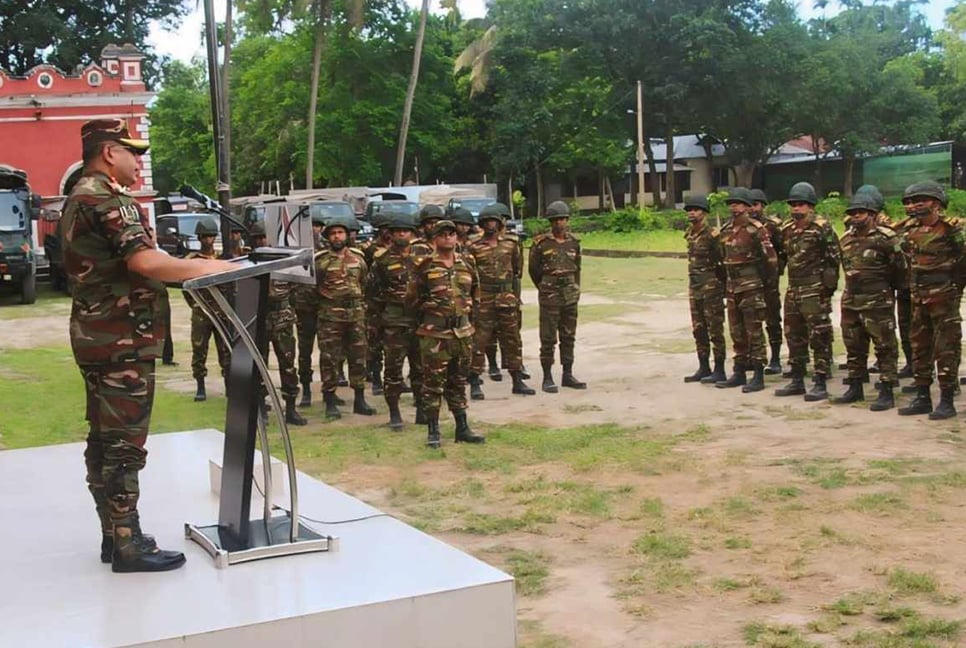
(410, 95)
(478, 58)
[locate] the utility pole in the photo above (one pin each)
(217, 125)
(640, 148)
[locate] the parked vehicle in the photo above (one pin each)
(18, 207)
(176, 233)
(474, 204)
(327, 209)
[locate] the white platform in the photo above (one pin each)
(388, 585)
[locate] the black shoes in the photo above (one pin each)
(945, 409)
(463, 432)
(200, 394)
(717, 375)
(359, 404)
(818, 391)
(432, 426)
(885, 401)
(520, 387)
(921, 404)
(395, 418)
(704, 370)
(568, 379)
(476, 391)
(757, 381)
(139, 553)
(292, 417)
(737, 379)
(853, 394)
(306, 395)
(331, 409)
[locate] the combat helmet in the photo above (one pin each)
(863, 202)
(757, 195)
(430, 212)
(558, 209)
(492, 212)
(462, 215)
(699, 201)
(871, 191)
(927, 188)
(257, 229)
(399, 221)
(206, 227)
(739, 194)
(802, 192)
(338, 221)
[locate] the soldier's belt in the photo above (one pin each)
(931, 278)
(342, 302)
(497, 287)
(742, 271)
(454, 322)
(859, 287)
(563, 279)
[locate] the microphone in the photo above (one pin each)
(190, 192)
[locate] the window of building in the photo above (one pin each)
(45, 80)
(131, 71)
(721, 176)
(94, 79)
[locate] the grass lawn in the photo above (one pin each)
(653, 241)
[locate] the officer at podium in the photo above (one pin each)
(117, 332)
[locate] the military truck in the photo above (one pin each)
(18, 209)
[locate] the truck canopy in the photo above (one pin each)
(11, 178)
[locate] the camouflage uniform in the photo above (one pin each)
(279, 324)
(874, 265)
(202, 330)
(116, 333)
(499, 266)
(773, 298)
(904, 298)
(812, 248)
(341, 325)
(374, 328)
(554, 267)
(706, 290)
(306, 298)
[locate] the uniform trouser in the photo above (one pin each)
(557, 321)
(936, 337)
(746, 312)
(773, 314)
(201, 333)
(875, 325)
(281, 337)
(707, 324)
(808, 324)
(338, 342)
(306, 323)
(494, 324)
(400, 343)
(904, 318)
(119, 401)
(374, 337)
(446, 362)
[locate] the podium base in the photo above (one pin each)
(267, 539)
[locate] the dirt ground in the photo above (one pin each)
(767, 521)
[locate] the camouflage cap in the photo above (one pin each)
(558, 209)
(98, 131)
(257, 229)
(463, 216)
(757, 195)
(206, 227)
(739, 195)
(430, 212)
(444, 226)
(697, 202)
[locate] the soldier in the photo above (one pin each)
(936, 264)
(340, 274)
(874, 266)
(306, 300)
(554, 268)
(773, 298)
(750, 262)
(388, 282)
(705, 290)
(422, 245)
(812, 248)
(116, 333)
(382, 241)
(443, 292)
(499, 265)
(279, 322)
(463, 219)
(202, 327)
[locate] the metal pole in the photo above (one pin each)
(640, 148)
(217, 119)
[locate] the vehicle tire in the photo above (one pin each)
(28, 291)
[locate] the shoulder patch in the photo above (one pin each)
(887, 231)
(359, 253)
(379, 252)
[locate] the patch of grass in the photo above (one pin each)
(578, 409)
(663, 546)
(739, 507)
(790, 413)
(672, 577)
(696, 433)
(737, 543)
(851, 604)
(777, 493)
(763, 595)
(730, 584)
(662, 240)
(639, 279)
(530, 570)
(891, 614)
(532, 635)
(826, 623)
(909, 582)
(913, 631)
(49, 303)
(878, 503)
(651, 507)
(775, 636)
(573, 497)
(827, 473)
(487, 524)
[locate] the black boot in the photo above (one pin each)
(818, 391)
(359, 404)
(568, 379)
(797, 386)
(704, 369)
(945, 409)
(107, 546)
(493, 367)
(331, 409)
(909, 389)
(476, 392)
(395, 418)
(520, 387)
(906, 371)
(292, 417)
(737, 379)
(306, 395)
(718, 374)
(432, 427)
(548, 385)
(376, 371)
(135, 552)
(420, 412)
(921, 404)
(853, 394)
(774, 365)
(757, 380)
(885, 400)
(790, 373)
(524, 373)
(463, 432)
(200, 395)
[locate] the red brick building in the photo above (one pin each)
(42, 112)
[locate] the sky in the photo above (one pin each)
(186, 43)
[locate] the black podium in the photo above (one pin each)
(236, 537)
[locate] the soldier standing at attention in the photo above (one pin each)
(750, 262)
(382, 241)
(705, 290)
(306, 321)
(813, 273)
(388, 282)
(499, 265)
(463, 219)
(874, 266)
(202, 328)
(116, 332)
(279, 325)
(340, 274)
(554, 267)
(422, 245)
(936, 264)
(773, 298)
(443, 292)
